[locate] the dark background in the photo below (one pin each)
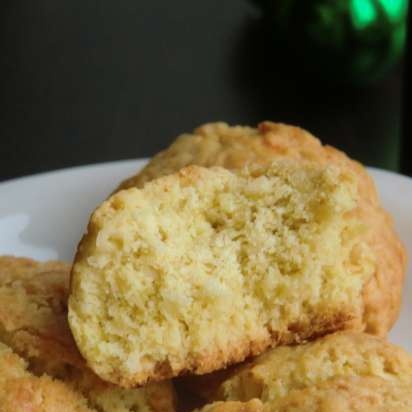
(90, 81)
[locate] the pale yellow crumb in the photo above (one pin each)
(206, 267)
(234, 147)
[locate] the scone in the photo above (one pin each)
(21, 391)
(206, 267)
(343, 394)
(283, 369)
(218, 144)
(347, 370)
(33, 321)
(349, 394)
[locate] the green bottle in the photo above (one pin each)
(355, 41)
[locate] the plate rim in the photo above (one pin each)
(48, 173)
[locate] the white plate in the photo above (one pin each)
(44, 216)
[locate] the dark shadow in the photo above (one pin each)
(281, 86)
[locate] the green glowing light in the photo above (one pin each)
(395, 9)
(363, 13)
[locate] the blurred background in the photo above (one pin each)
(86, 81)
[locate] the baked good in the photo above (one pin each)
(21, 391)
(342, 394)
(350, 394)
(206, 267)
(281, 370)
(33, 321)
(33, 313)
(344, 371)
(218, 144)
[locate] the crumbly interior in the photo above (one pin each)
(234, 147)
(283, 370)
(33, 322)
(194, 269)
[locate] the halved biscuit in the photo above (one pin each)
(33, 321)
(218, 144)
(206, 267)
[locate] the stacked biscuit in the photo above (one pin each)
(255, 262)
(45, 371)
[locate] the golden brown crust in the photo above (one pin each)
(217, 144)
(33, 312)
(349, 394)
(284, 370)
(40, 395)
(342, 394)
(344, 371)
(33, 321)
(22, 391)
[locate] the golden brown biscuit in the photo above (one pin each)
(33, 321)
(349, 394)
(218, 144)
(342, 394)
(203, 268)
(281, 370)
(20, 391)
(33, 313)
(347, 370)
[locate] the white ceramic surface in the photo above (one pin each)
(44, 216)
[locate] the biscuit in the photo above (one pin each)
(284, 369)
(218, 144)
(348, 394)
(22, 391)
(33, 321)
(206, 267)
(348, 370)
